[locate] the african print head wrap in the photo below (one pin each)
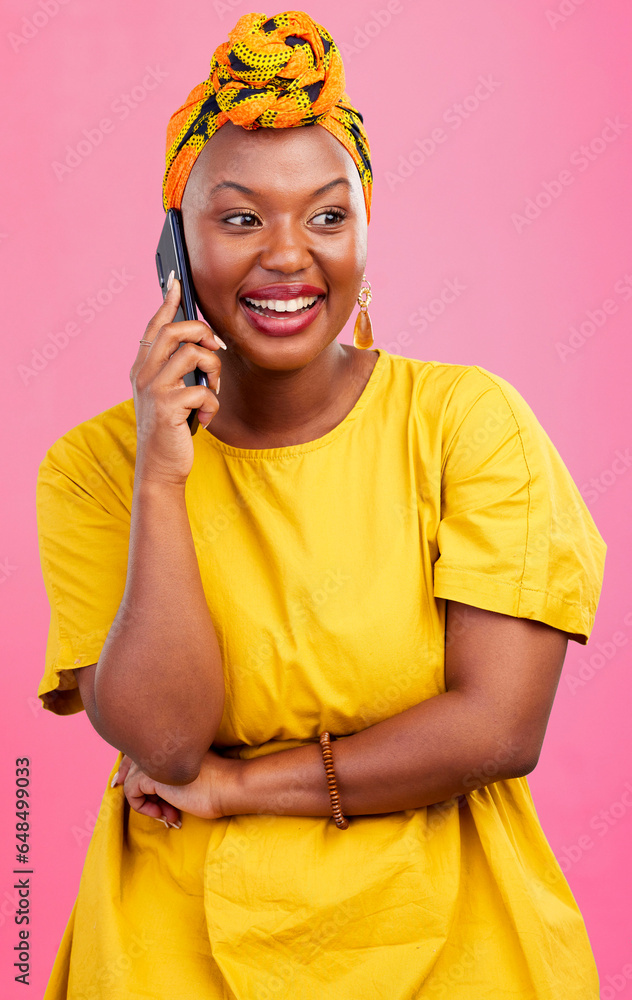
(273, 72)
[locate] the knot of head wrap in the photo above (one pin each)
(273, 72)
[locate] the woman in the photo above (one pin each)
(353, 542)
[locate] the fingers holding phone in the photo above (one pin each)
(162, 400)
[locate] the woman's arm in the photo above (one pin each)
(157, 692)
(501, 677)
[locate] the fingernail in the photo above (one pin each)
(176, 826)
(172, 275)
(217, 390)
(114, 780)
(161, 819)
(220, 341)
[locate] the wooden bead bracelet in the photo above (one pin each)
(341, 821)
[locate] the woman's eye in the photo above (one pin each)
(329, 218)
(245, 219)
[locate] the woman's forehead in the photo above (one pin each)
(298, 157)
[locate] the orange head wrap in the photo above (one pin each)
(277, 72)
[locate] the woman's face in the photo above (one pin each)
(275, 216)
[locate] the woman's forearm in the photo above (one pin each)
(159, 688)
(431, 752)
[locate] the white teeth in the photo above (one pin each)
(283, 305)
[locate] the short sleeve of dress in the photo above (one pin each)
(83, 501)
(515, 535)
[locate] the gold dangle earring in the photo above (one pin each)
(363, 331)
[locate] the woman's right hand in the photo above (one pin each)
(162, 401)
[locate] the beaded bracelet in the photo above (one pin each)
(341, 821)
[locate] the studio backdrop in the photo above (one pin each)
(501, 138)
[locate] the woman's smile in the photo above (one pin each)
(282, 309)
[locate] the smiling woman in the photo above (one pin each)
(354, 543)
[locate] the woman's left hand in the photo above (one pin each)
(203, 797)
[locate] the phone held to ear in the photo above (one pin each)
(171, 255)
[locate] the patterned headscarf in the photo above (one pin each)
(277, 72)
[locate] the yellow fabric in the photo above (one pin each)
(326, 567)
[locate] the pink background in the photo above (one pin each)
(535, 82)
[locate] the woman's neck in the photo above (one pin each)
(263, 408)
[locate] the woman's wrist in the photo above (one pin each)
(232, 790)
(152, 487)
(288, 782)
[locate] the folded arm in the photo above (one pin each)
(157, 692)
(501, 677)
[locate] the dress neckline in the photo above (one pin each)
(288, 451)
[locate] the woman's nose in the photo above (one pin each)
(286, 248)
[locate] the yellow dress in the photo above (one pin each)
(326, 568)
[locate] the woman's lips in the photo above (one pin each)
(284, 324)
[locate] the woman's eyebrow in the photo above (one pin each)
(232, 184)
(325, 187)
(247, 190)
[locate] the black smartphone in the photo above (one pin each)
(171, 255)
